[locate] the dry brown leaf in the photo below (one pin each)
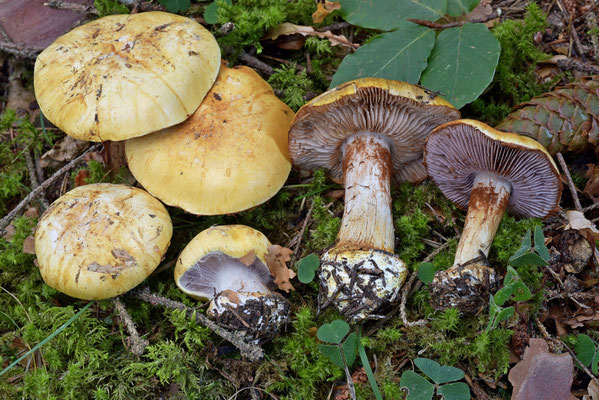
(276, 260)
(482, 10)
(542, 375)
(577, 220)
(324, 9)
(593, 390)
(249, 258)
(31, 212)
(9, 232)
(287, 28)
(592, 186)
(64, 150)
(80, 177)
(29, 245)
(231, 295)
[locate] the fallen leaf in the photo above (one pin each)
(324, 9)
(80, 177)
(231, 295)
(9, 232)
(592, 186)
(593, 390)
(29, 245)
(482, 10)
(287, 28)
(542, 375)
(64, 150)
(577, 220)
(31, 212)
(249, 258)
(276, 260)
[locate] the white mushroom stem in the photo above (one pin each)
(367, 220)
(488, 201)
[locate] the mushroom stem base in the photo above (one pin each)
(466, 288)
(359, 283)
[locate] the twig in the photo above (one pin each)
(19, 50)
(334, 27)
(252, 61)
(247, 350)
(571, 185)
(45, 185)
(33, 178)
(298, 238)
(570, 63)
(433, 25)
(478, 391)
(138, 345)
(585, 369)
(404, 298)
(68, 6)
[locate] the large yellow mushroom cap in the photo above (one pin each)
(230, 155)
(123, 76)
(99, 241)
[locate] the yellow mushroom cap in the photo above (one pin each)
(234, 241)
(99, 241)
(230, 155)
(123, 76)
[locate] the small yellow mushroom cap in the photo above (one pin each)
(235, 241)
(123, 76)
(99, 241)
(230, 155)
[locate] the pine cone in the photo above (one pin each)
(565, 120)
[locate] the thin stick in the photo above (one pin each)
(571, 185)
(138, 345)
(247, 350)
(33, 178)
(585, 369)
(68, 6)
(46, 184)
(300, 234)
(433, 25)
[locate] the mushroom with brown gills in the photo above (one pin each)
(487, 171)
(366, 133)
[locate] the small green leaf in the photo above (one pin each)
(511, 275)
(585, 349)
(540, 244)
(306, 268)
(175, 6)
(438, 373)
(333, 332)
(333, 353)
(211, 12)
(520, 292)
(386, 15)
(418, 387)
(502, 295)
(426, 272)
(497, 314)
(462, 63)
(456, 8)
(399, 55)
(454, 391)
(528, 259)
(524, 247)
(349, 347)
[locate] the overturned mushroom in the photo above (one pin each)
(366, 133)
(227, 265)
(99, 241)
(487, 171)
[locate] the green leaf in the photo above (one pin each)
(460, 7)
(438, 373)
(585, 349)
(528, 259)
(349, 347)
(502, 295)
(524, 247)
(211, 12)
(511, 275)
(306, 268)
(175, 6)
(418, 387)
(520, 292)
(540, 244)
(369, 374)
(386, 15)
(462, 63)
(497, 314)
(399, 55)
(333, 332)
(454, 391)
(426, 272)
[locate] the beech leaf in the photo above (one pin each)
(276, 260)
(287, 28)
(324, 9)
(577, 220)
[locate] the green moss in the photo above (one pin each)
(109, 7)
(292, 85)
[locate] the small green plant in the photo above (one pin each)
(587, 352)
(426, 272)
(419, 388)
(514, 289)
(109, 7)
(175, 6)
(306, 268)
(343, 348)
(468, 53)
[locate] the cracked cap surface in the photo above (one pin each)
(123, 76)
(99, 241)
